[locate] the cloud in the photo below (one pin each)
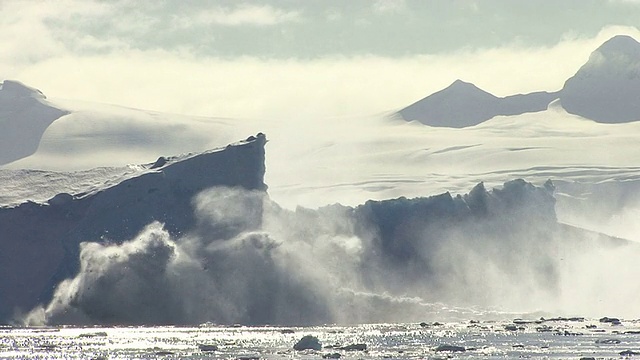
(35, 31)
(56, 60)
(244, 14)
(333, 15)
(632, 2)
(473, 5)
(261, 88)
(389, 6)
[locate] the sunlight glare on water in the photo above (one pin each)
(552, 338)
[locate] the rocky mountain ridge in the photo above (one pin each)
(606, 89)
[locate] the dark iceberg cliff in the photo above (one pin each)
(40, 242)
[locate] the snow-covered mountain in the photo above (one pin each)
(96, 135)
(24, 116)
(39, 245)
(463, 104)
(606, 89)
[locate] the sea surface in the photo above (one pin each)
(558, 338)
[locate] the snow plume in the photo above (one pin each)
(600, 278)
(227, 270)
(487, 248)
(127, 281)
(249, 261)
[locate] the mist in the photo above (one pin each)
(488, 254)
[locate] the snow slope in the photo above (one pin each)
(351, 160)
(346, 160)
(24, 116)
(92, 135)
(378, 158)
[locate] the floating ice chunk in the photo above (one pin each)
(308, 342)
(450, 348)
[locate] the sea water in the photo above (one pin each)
(559, 338)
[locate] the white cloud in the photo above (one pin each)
(472, 5)
(243, 14)
(35, 31)
(182, 82)
(333, 15)
(389, 6)
(250, 87)
(635, 2)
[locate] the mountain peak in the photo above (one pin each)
(16, 89)
(459, 82)
(618, 55)
(620, 45)
(458, 105)
(460, 85)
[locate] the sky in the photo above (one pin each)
(298, 59)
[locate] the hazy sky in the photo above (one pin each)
(298, 58)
